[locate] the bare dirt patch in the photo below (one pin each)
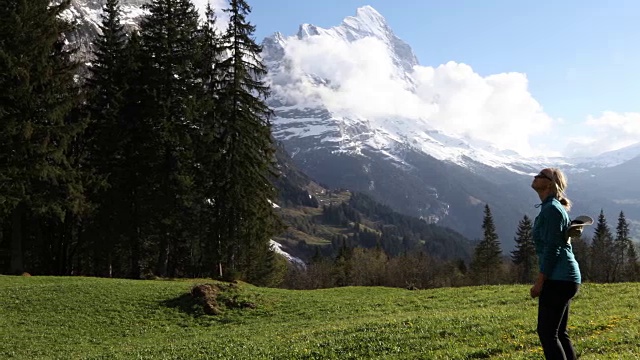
(214, 298)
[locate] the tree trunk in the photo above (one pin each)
(17, 262)
(75, 259)
(134, 238)
(163, 256)
(68, 240)
(135, 254)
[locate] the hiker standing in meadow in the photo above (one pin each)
(559, 277)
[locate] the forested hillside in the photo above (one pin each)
(156, 159)
(155, 164)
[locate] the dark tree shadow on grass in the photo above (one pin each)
(186, 303)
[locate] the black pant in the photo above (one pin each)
(553, 313)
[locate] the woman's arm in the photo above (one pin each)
(553, 238)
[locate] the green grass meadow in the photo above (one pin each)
(93, 318)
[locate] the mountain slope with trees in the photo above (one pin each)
(159, 161)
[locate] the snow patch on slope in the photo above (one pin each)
(277, 248)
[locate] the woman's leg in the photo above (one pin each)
(553, 314)
(563, 336)
(551, 311)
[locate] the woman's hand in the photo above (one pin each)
(536, 289)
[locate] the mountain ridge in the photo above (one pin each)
(340, 146)
(399, 159)
(436, 142)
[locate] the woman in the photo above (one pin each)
(559, 277)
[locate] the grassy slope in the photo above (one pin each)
(89, 318)
(323, 232)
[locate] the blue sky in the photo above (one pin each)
(580, 57)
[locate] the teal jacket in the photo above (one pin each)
(555, 254)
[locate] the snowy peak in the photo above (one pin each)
(366, 24)
(368, 13)
(352, 87)
(609, 158)
(358, 86)
(307, 30)
(367, 21)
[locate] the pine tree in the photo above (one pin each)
(207, 145)
(581, 251)
(106, 88)
(632, 267)
(601, 269)
(136, 134)
(170, 59)
(106, 83)
(625, 257)
(121, 150)
(247, 217)
(486, 265)
(620, 246)
(37, 95)
(524, 256)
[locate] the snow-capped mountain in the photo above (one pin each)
(354, 110)
(86, 15)
(347, 130)
(371, 125)
(609, 158)
(306, 97)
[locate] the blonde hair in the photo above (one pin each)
(560, 182)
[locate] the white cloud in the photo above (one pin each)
(496, 108)
(356, 76)
(361, 79)
(607, 132)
